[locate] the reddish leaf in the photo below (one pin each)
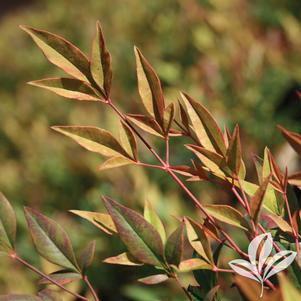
(61, 53)
(87, 255)
(154, 279)
(292, 138)
(123, 259)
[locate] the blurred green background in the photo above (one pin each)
(241, 58)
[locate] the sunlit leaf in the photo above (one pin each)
(194, 264)
(8, 224)
(123, 259)
(68, 87)
(51, 240)
(149, 87)
(209, 127)
(115, 162)
(228, 215)
(141, 238)
(93, 139)
(101, 69)
(61, 53)
(102, 221)
(174, 246)
(153, 218)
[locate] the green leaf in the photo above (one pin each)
(93, 139)
(50, 239)
(115, 162)
(174, 246)
(208, 129)
(87, 255)
(101, 62)
(8, 225)
(193, 264)
(228, 215)
(19, 298)
(154, 279)
(281, 223)
(198, 239)
(292, 138)
(102, 221)
(149, 87)
(123, 259)
(233, 155)
(147, 124)
(62, 277)
(68, 87)
(257, 199)
(153, 218)
(141, 238)
(288, 290)
(61, 53)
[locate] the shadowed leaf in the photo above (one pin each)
(128, 140)
(123, 259)
(101, 61)
(102, 221)
(141, 238)
(149, 87)
(50, 239)
(61, 53)
(68, 87)
(8, 224)
(174, 246)
(257, 199)
(87, 255)
(154, 279)
(93, 139)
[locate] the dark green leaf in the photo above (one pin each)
(174, 246)
(51, 240)
(141, 238)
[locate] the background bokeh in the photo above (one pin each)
(241, 58)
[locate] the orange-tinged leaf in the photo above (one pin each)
(174, 246)
(149, 87)
(123, 259)
(257, 199)
(208, 126)
(193, 264)
(292, 138)
(147, 124)
(61, 53)
(51, 240)
(68, 87)
(154, 279)
(8, 224)
(228, 215)
(101, 61)
(103, 221)
(141, 238)
(93, 139)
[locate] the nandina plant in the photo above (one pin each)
(267, 212)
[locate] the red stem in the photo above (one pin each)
(34, 269)
(85, 278)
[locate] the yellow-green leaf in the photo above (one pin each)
(193, 264)
(103, 221)
(93, 139)
(114, 162)
(123, 259)
(228, 215)
(68, 87)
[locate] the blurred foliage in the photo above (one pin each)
(241, 58)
